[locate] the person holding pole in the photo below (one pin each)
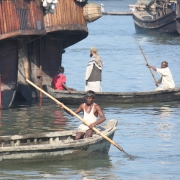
(166, 81)
(80, 118)
(91, 111)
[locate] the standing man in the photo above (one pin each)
(59, 81)
(91, 112)
(93, 75)
(166, 81)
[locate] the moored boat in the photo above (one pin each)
(76, 97)
(55, 145)
(178, 16)
(33, 36)
(156, 15)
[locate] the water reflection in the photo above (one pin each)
(87, 168)
(165, 112)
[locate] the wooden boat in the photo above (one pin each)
(77, 97)
(178, 16)
(55, 145)
(117, 13)
(158, 16)
(33, 39)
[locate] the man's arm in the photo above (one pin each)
(102, 117)
(65, 87)
(152, 67)
(155, 69)
(76, 111)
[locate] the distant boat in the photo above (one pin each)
(115, 12)
(77, 97)
(55, 145)
(156, 15)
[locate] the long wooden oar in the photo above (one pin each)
(148, 64)
(73, 113)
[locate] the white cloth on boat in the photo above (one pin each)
(160, 87)
(166, 81)
(93, 86)
(89, 118)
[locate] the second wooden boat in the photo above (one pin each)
(158, 16)
(77, 97)
(55, 145)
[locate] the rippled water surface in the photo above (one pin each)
(149, 132)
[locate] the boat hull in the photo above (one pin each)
(55, 145)
(165, 24)
(118, 97)
(8, 71)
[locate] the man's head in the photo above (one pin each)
(93, 51)
(61, 69)
(90, 95)
(164, 64)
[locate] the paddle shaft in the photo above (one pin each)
(80, 118)
(148, 64)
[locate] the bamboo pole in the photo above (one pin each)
(40, 73)
(80, 118)
(148, 64)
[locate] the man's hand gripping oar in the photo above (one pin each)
(148, 66)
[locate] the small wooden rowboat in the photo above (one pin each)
(77, 97)
(55, 145)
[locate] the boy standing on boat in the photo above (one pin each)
(91, 112)
(93, 72)
(166, 81)
(59, 81)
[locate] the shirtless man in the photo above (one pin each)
(91, 111)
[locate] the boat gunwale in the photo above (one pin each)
(153, 20)
(63, 144)
(173, 90)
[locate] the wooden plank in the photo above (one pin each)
(58, 14)
(7, 15)
(1, 18)
(4, 18)
(75, 12)
(32, 14)
(11, 15)
(62, 11)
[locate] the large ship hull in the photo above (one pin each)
(8, 71)
(32, 43)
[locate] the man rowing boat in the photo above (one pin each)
(166, 81)
(91, 111)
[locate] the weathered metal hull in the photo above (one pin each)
(55, 145)
(165, 24)
(32, 43)
(77, 97)
(178, 23)
(8, 71)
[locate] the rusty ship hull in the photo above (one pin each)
(32, 43)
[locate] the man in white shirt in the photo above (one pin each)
(94, 71)
(166, 81)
